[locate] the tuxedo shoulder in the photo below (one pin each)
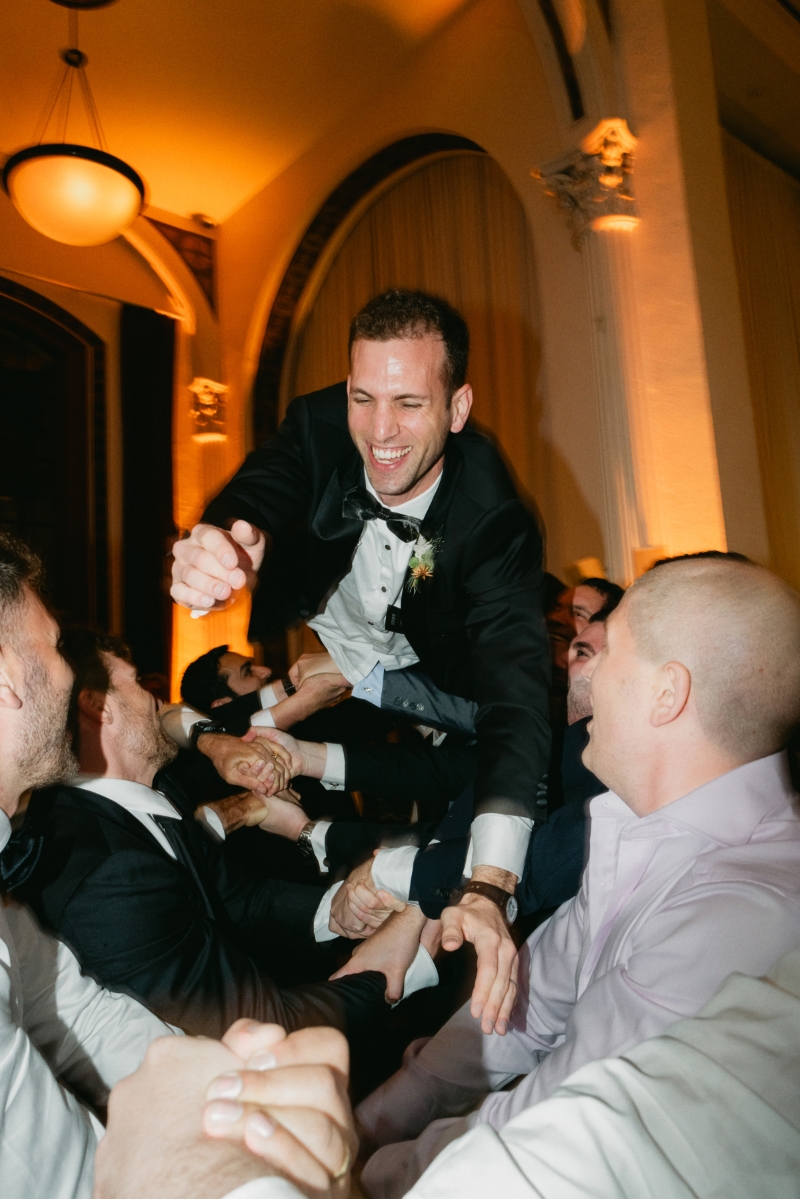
(485, 478)
(328, 405)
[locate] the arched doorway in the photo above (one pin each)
(53, 449)
(450, 224)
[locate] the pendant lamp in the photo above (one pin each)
(80, 195)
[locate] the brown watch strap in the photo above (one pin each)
(496, 894)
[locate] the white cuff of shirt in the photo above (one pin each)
(392, 868)
(318, 834)
(322, 917)
(262, 719)
(267, 696)
(177, 721)
(420, 974)
(208, 817)
(270, 1187)
(333, 778)
(371, 687)
(500, 841)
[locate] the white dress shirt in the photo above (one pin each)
(671, 903)
(56, 1024)
(710, 1109)
(350, 623)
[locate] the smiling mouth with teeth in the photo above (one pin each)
(389, 455)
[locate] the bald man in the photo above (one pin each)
(694, 861)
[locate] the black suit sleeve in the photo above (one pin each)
(509, 662)
(431, 775)
(135, 925)
(272, 487)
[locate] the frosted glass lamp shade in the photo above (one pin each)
(74, 194)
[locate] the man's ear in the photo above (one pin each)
(8, 693)
(93, 705)
(672, 694)
(224, 699)
(460, 405)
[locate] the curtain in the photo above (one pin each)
(765, 217)
(456, 227)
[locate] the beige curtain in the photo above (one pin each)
(454, 226)
(765, 216)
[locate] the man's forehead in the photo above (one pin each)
(233, 661)
(35, 617)
(119, 667)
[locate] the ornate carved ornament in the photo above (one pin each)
(593, 184)
(208, 410)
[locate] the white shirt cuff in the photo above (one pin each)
(333, 778)
(420, 974)
(318, 834)
(371, 687)
(177, 721)
(208, 817)
(500, 841)
(262, 719)
(267, 696)
(392, 869)
(271, 1187)
(322, 918)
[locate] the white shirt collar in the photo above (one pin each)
(418, 506)
(5, 830)
(134, 797)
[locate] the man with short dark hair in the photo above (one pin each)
(396, 530)
(123, 873)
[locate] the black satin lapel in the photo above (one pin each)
(436, 515)
(328, 523)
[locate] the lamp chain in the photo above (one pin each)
(74, 60)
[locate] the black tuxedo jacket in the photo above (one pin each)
(197, 940)
(476, 625)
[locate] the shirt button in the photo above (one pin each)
(383, 588)
(386, 547)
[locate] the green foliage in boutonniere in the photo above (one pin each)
(422, 559)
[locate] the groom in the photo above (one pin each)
(396, 531)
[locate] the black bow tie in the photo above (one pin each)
(358, 504)
(20, 858)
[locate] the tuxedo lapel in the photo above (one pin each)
(328, 523)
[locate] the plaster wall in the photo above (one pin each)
(480, 77)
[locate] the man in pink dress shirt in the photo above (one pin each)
(694, 863)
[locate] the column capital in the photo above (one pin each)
(593, 184)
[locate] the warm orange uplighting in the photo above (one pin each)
(73, 194)
(615, 220)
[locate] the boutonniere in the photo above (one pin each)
(421, 561)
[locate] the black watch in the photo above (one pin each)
(288, 687)
(204, 726)
(507, 903)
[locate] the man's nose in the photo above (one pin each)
(385, 424)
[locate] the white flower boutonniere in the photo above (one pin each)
(422, 559)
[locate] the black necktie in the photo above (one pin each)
(175, 833)
(358, 504)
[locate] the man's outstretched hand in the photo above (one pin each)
(479, 921)
(211, 564)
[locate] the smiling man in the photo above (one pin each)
(396, 531)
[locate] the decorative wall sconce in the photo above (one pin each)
(593, 185)
(208, 410)
(80, 195)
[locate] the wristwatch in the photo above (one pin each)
(507, 903)
(288, 687)
(204, 726)
(304, 840)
